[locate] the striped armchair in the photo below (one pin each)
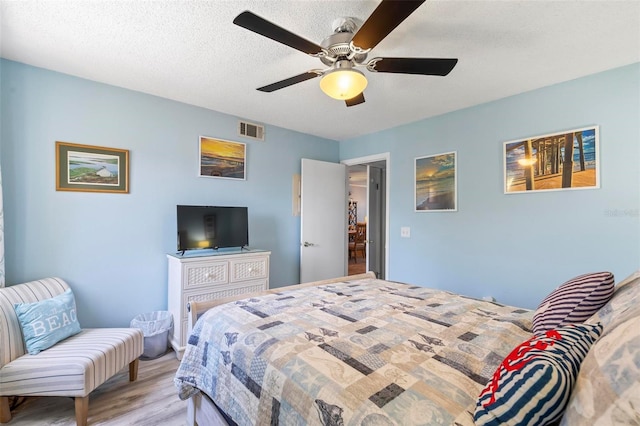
(73, 367)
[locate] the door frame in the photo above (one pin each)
(386, 157)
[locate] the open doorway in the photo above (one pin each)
(358, 214)
(367, 179)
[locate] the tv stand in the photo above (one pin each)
(213, 276)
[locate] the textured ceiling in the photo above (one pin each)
(191, 52)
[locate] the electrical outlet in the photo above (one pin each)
(405, 232)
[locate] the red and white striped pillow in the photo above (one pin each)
(574, 301)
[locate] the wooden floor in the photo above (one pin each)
(357, 267)
(149, 401)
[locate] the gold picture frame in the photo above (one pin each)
(88, 168)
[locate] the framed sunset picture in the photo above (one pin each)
(436, 183)
(553, 162)
(222, 159)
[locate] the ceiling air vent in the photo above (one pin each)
(250, 130)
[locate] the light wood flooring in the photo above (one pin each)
(149, 401)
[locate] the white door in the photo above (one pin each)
(323, 217)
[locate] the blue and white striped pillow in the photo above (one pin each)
(533, 383)
(574, 301)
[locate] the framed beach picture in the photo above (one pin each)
(553, 162)
(90, 168)
(222, 159)
(436, 183)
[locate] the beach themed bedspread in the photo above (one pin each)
(363, 352)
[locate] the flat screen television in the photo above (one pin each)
(212, 227)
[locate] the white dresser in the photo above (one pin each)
(200, 278)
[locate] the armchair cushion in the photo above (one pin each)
(48, 321)
(75, 366)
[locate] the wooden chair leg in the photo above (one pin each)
(133, 369)
(5, 412)
(82, 410)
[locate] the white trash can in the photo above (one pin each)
(155, 327)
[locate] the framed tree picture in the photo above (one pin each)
(553, 162)
(222, 159)
(90, 168)
(436, 183)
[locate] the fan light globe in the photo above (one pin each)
(343, 83)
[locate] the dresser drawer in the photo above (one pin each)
(249, 269)
(205, 274)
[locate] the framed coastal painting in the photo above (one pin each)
(553, 162)
(90, 168)
(222, 159)
(436, 183)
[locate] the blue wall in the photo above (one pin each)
(112, 248)
(517, 247)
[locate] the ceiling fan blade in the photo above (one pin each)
(424, 66)
(289, 81)
(263, 27)
(384, 19)
(356, 100)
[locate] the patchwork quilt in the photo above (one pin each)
(362, 352)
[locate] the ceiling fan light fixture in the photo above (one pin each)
(348, 47)
(343, 82)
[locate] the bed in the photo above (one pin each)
(362, 351)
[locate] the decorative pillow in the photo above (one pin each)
(624, 304)
(533, 383)
(48, 321)
(607, 391)
(574, 301)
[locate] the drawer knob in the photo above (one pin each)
(211, 275)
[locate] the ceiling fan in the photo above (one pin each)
(347, 48)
